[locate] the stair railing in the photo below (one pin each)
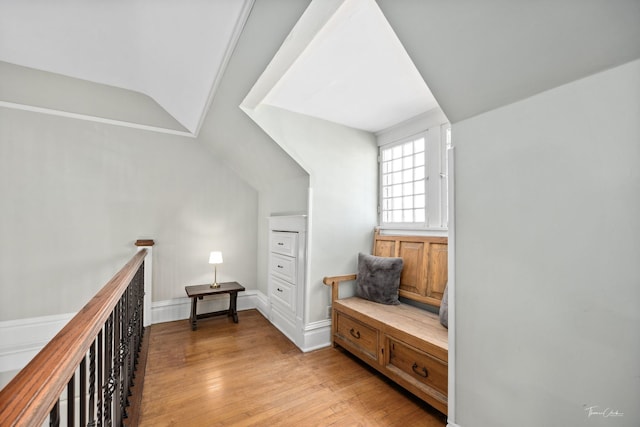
(94, 357)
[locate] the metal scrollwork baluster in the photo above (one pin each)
(100, 384)
(83, 392)
(123, 349)
(108, 387)
(117, 360)
(92, 385)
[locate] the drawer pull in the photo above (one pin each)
(422, 372)
(355, 334)
(279, 290)
(279, 266)
(280, 244)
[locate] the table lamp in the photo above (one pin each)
(215, 258)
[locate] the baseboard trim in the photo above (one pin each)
(316, 335)
(180, 308)
(262, 304)
(22, 339)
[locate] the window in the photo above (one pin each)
(403, 182)
(413, 181)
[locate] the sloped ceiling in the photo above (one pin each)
(475, 56)
(227, 131)
(353, 71)
(478, 56)
(172, 51)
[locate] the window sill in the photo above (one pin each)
(406, 231)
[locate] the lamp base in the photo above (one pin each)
(215, 284)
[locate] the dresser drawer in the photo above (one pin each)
(359, 335)
(418, 365)
(283, 267)
(283, 242)
(283, 294)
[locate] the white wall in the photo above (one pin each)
(547, 250)
(342, 167)
(75, 195)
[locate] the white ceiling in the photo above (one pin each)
(170, 50)
(354, 72)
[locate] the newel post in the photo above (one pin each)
(148, 283)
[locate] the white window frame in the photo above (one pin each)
(436, 181)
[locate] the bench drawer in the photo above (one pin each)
(418, 364)
(359, 335)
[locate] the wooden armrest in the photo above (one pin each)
(334, 282)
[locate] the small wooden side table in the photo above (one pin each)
(197, 292)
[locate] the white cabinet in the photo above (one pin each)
(287, 258)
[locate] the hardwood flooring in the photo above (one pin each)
(250, 374)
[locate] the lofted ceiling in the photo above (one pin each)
(160, 62)
(354, 71)
(478, 56)
(172, 51)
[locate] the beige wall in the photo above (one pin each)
(342, 167)
(547, 249)
(75, 195)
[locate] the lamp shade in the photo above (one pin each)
(215, 257)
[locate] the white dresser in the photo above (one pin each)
(287, 258)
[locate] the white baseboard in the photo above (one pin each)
(262, 304)
(450, 424)
(316, 335)
(285, 325)
(22, 339)
(180, 308)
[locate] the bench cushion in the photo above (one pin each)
(378, 278)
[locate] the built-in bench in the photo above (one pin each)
(406, 343)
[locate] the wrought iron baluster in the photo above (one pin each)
(108, 371)
(92, 383)
(83, 392)
(71, 401)
(100, 384)
(117, 361)
(124, 349)
(54, 415)
(140, 306)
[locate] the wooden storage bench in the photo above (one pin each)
(406, 343)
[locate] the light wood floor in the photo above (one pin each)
(249, 374)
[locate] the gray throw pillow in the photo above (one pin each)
(444, 308)
(378, 278)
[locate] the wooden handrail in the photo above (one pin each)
(30, 396)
